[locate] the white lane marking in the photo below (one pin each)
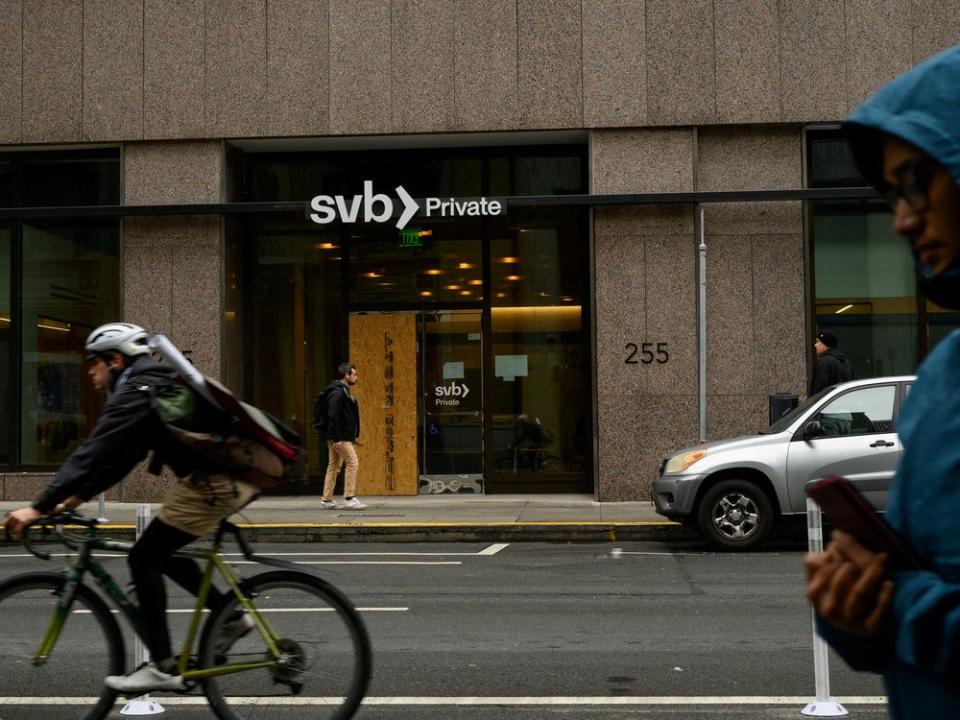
(493, 549)
(401, 701)
(274, 610)
(303, 562)
(359, 562)
(617, 552)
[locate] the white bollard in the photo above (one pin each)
(102, 509)
(142, 705)
(823, 705)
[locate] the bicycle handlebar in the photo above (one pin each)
(56, 522)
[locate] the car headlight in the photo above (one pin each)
(679, 463)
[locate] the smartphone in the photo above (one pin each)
(847, 510)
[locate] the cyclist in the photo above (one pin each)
(120, 363)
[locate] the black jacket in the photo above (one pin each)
(125, 432)
(832, 368)
(343, 413)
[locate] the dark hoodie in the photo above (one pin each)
(918, 651)
(832, 368)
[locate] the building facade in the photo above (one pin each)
(161, 160)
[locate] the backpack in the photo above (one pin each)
(320, 412)
(236, 437)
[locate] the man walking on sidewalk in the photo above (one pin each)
(342, 431)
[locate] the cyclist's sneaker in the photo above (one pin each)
(329, 504)
(146, 678)
(354, 504)
(237, 627)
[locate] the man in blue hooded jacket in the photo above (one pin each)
(906, 625)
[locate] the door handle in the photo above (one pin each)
(881, 443)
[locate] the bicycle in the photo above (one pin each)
(284, 653)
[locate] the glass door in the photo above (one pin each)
(450, 359)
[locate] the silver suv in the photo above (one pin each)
(733, 491)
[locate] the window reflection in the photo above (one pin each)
(6, 337)
(69, 286)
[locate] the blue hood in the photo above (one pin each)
(921, 107)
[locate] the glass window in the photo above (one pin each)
(861, 412)
(7, 375)
(540, 414)
(83, 178)
(427, 262)
(70, 284)
(295, 332)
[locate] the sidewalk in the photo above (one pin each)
(434, 518)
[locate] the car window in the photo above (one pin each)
(860, 412)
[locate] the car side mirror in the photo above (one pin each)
(812, 430)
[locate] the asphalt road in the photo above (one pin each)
(538, 630)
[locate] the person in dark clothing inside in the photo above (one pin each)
(128, 428)
(832, 366)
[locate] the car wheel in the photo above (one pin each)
(735, 515)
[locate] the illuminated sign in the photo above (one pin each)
(378, 207)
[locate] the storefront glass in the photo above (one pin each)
(58, 280)
(865, 286)
(69, 287)
(6, 348)
(497, 304)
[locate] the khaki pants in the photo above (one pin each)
(347, 453)
(197, 504)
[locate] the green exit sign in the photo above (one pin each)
(413, 237)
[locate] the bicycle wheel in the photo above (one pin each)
(69, 685)
(322, 638)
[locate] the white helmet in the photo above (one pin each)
(125, 338)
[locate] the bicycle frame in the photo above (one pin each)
(86, 563)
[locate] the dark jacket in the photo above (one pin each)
(832, 368)
(343, 413)
(125, 432)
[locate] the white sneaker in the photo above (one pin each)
(231, 632)
(146, 678)
(328, 504)
(353, 504)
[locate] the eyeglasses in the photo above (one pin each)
(913, 184)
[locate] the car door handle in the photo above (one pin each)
(882, 443)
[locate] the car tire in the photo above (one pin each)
(735, 515)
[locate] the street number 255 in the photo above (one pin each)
(647, 353)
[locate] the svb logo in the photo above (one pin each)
(378, 207)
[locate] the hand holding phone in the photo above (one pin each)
(847, 510)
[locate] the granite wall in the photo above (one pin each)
(646, 281)
(119, 70)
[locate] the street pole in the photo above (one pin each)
(141, 705)
(823, 705)
(702, 329)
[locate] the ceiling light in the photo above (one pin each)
(513, 277)
(465, 292)
(464, 266)
(434, 271)
(372, 275)
(476, 282)
(451, 287)
(325, 246)
(425, 293)
(509, 260)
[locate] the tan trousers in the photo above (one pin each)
(347, 453)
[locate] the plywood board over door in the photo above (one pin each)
(384, 349)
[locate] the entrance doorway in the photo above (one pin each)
(450, 414)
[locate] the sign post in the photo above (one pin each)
(823, 705)
(141, 705)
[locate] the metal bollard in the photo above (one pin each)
(141, 705)
(102, 509)
(823, 705)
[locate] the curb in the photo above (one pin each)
(447, 532)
